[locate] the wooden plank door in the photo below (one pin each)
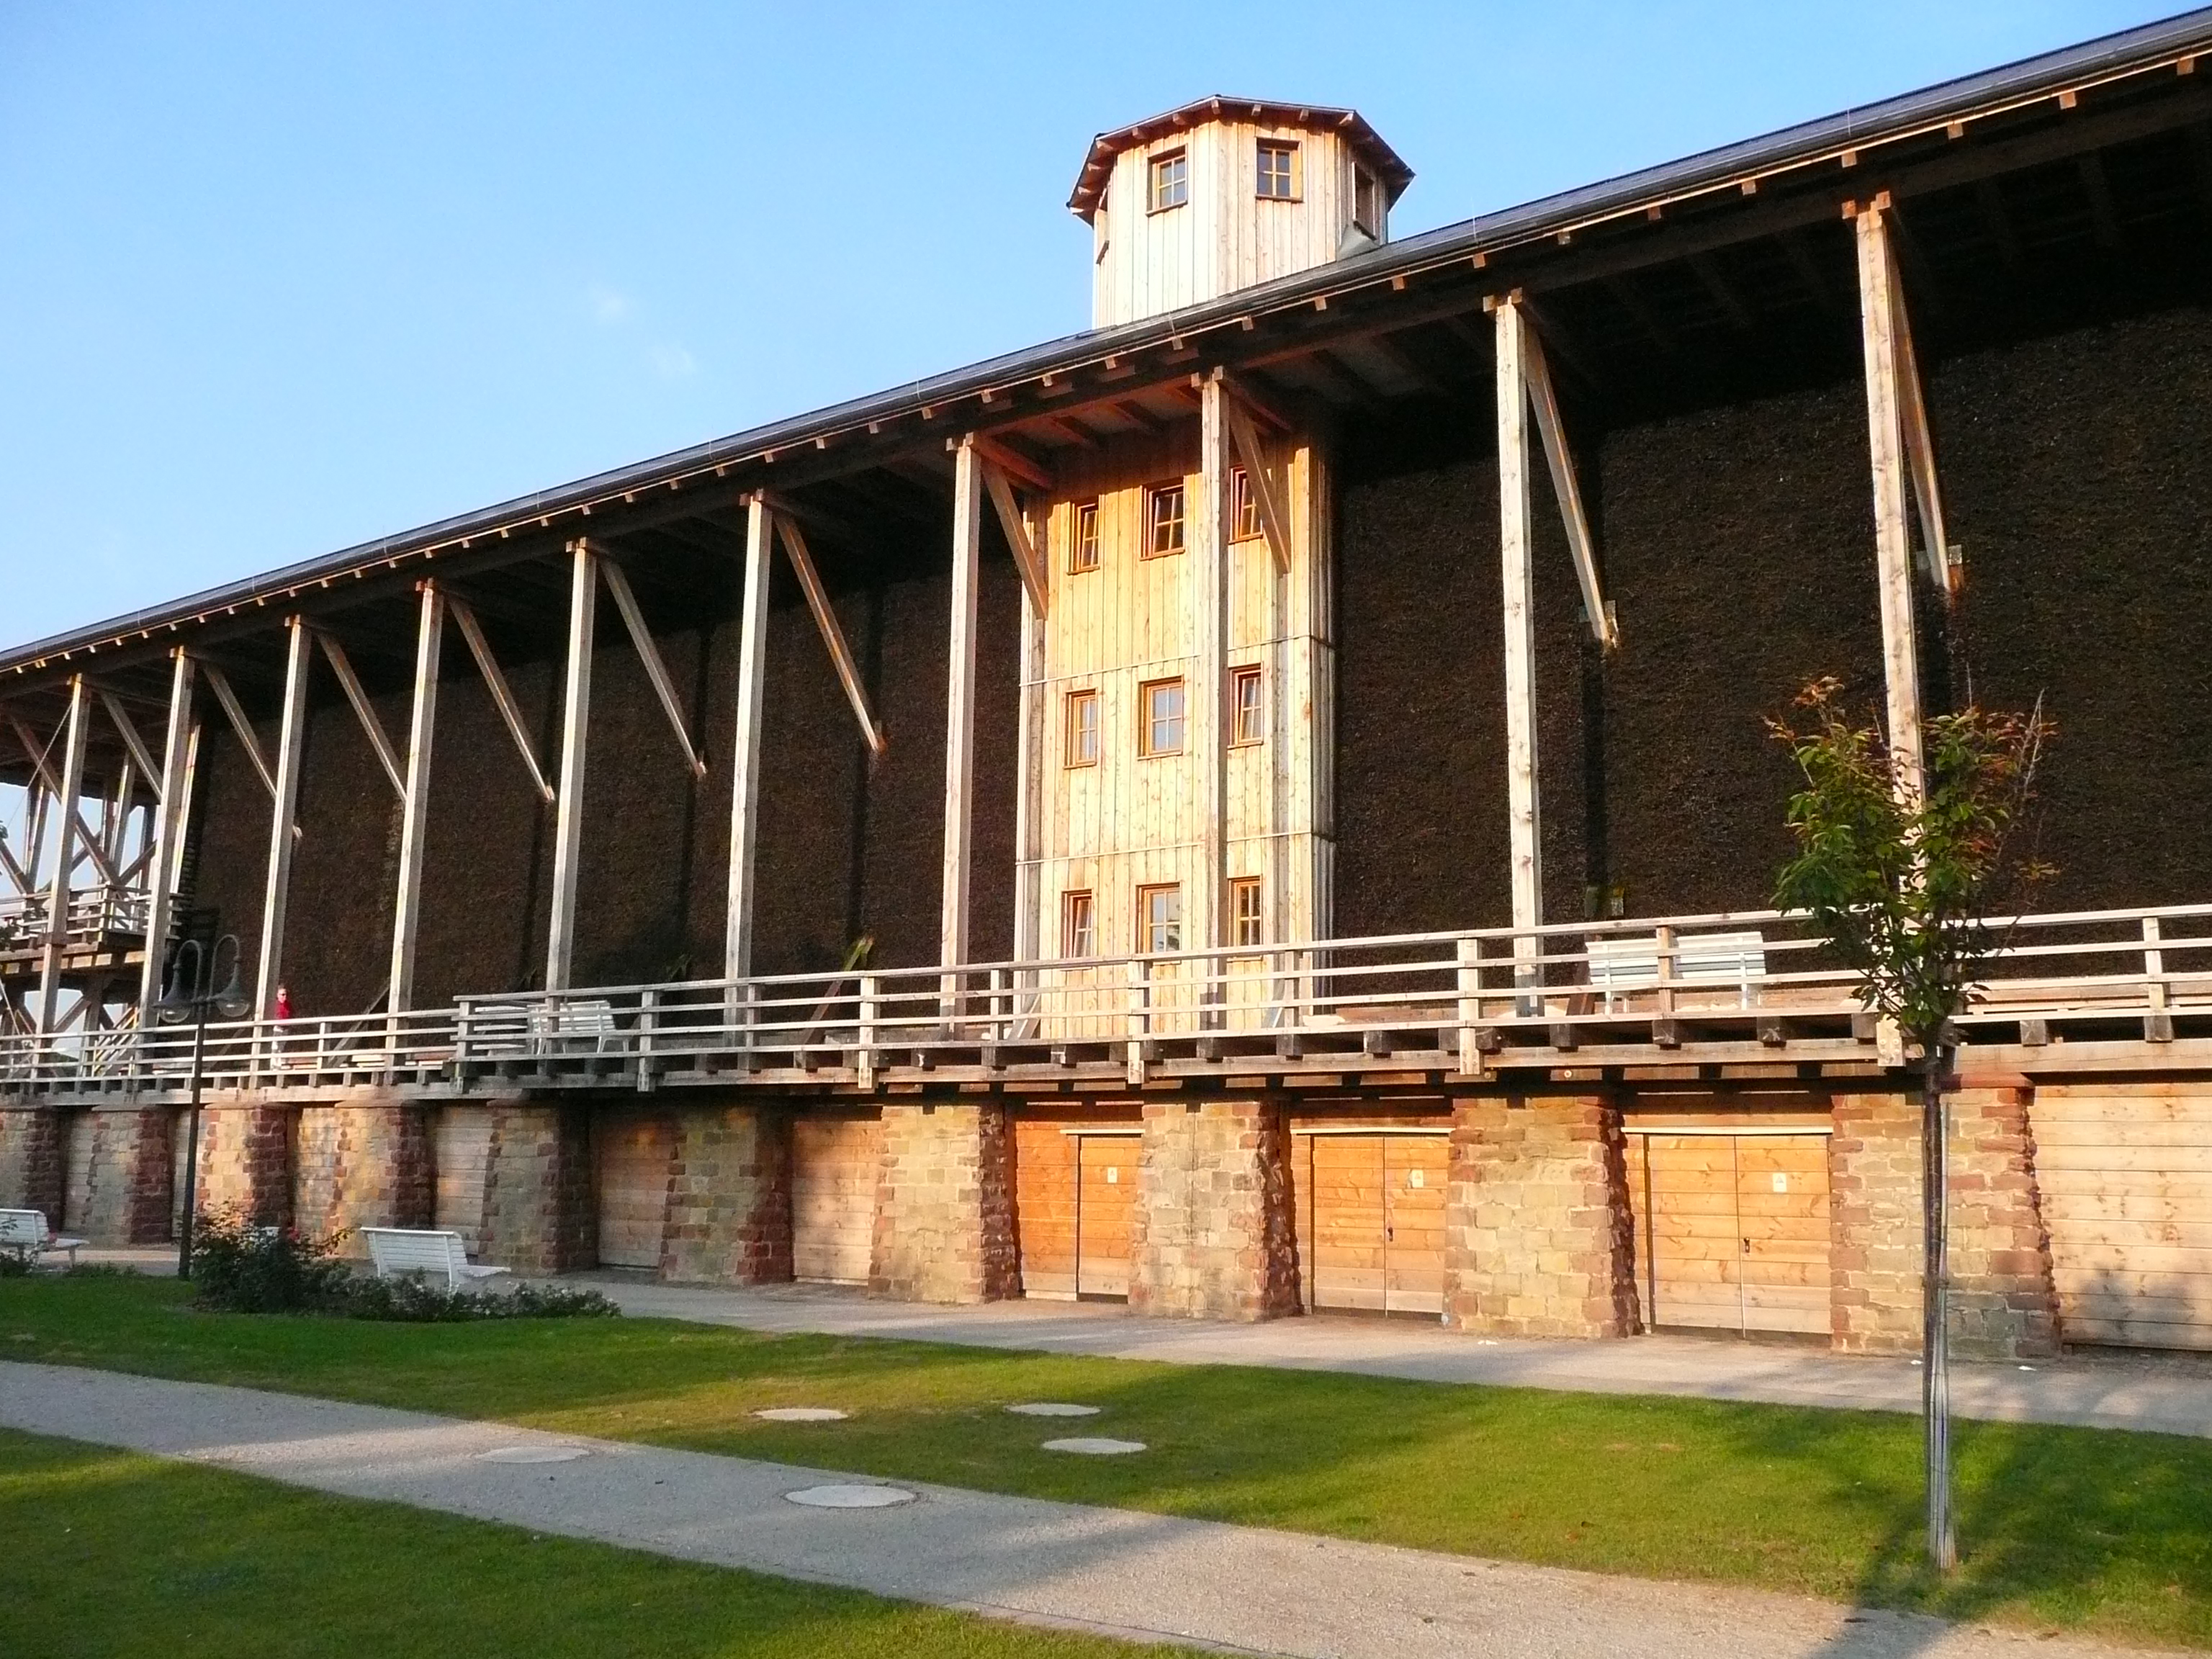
(834, 1161)
(460, 1150)
(1106, 1199)
(2126, 1174)
(1044, 1207)
(634, 1151)
(1781, 1219)
(1415, 1169)
(1347, 1187)
(1685, 1212)
(180, 1136)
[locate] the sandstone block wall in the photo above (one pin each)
(124, 1198)
(1537, 1235)
(245, 1160)
(2003, 1304)
(944, 1211)
(362, 1162)
(31, 1173)
(1213, 1236)
(539, 1214)
(729, 1202)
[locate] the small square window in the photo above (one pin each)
(1279, 170)
(1163, 519)
(1245, 709)
(1083, 547)
(1082, 729)
(1159, 919)
(1170, 176)
(1077, 927)
(1243, 506)
(1161, 705)
(1246, 926)
(1367, 202)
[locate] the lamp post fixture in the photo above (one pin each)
(192, 993)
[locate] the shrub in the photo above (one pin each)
(241, 1267)
(15, 1264)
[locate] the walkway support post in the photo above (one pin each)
(414, 800)
(960, 723)
(1208, 693)
(1516, 516)
(745, 762)
(291, 739)
(569, 797)
(172, 801)
(71, 790)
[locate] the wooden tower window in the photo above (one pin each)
(1078, 925)
(1083, 549)
(1159, 919)
(1161, 730)
(1367, 202)
(1245, 726)
(1171, 177)
(1163, 519)
(1082, 728)
(1243, 507)
(1246, 927)
(1279, 170)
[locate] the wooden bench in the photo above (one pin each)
(505, 1030)
(24, 1233)
(405, 1252)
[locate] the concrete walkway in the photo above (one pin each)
(2167, 1394)
(1114, 1571)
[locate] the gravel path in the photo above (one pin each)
(1243, 1590)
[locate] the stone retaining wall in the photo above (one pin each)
(363, 1162)
(539, 1216)
(944, 1211)
(729, 1200)
(1213, 1235)
(31, 1172)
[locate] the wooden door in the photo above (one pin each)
(834, 1161)
(83, 1135)
(460, 1150)
(2125, 1172)
(180, 1137)
(1731, 1229)
(1106, 1198)
(1346, 1210)
(1414, 1168)
(1044, 1207)
(634, 1151)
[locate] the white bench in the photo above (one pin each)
(400, 1252)
(508, 1029)
(1624, 962)
(25, 1233)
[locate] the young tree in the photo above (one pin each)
(1902, 866)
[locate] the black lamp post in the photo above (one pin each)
(192, 994)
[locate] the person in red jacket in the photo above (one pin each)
(283, 1002)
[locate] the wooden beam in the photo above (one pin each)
(746, 756)
(415, 798)
(372, 727)
(1706, 269)
(1515, 528)
(575, 735)
(1274, 522)
(833, 637)
(1565, 489)
(219, 682)
(66, 790)
(2104, 218)
(503, 695)
(648, 654)
(167, 832)
(1920, 448)
(1205, 697)
(1028, 790)
(1885, 436)
(1026, 557)
(88, 844)
(127, 729)
(277, 892)
(1007, 459)
(970, 467)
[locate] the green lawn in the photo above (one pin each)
(121, 1556)
(2059, 1528)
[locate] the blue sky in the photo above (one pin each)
(278, 278)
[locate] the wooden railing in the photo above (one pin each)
(95, 914)
(1707, 987)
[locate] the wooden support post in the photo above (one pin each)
(1029, 802)
(167, 832)
(833, 637)
(1274, 518)
(66, 790)
(88, 845)
(1027, 558)
(291, 740)
(960, 722)
(1469, 952)
(1920, 450)
(415, 797)
(1515, 517)
(575, 731)
(363, 710)
(1565, 488)
(745, 757)
(1878, 295)
(127, 730)
(503, 695)
(234, 712)
(1207, 695)
(649, 654)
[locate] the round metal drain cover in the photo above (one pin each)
(849, 1497)
(1094, 1446)
(801, 1414)
(1052, 1409)
(532, 1454)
